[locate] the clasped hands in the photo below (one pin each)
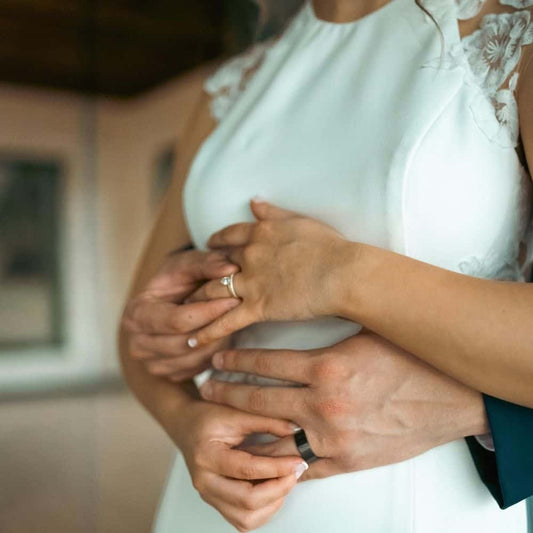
(363, 402)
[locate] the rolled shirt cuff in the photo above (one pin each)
(486, 441)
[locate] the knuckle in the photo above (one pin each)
(327, 369)
(250, 503)
(140, 342)
(198, 459)
(134, 348)
(130, 316)
(214, 256)
(328, 407)
(198, 485)
(249, 253)
(249, 471)
(263, 229)
(241, 526)
(256, 400)
(224, 234)
(125, 322)
(247, 522)
(177, 324)
(135, 309)
(262, 364)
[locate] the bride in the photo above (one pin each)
(367, 309)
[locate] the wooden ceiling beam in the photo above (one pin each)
(181, 22)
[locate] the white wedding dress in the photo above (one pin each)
(373, 128)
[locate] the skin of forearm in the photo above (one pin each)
(161, 398)
(477, 331)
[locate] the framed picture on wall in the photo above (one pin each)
(31, 306)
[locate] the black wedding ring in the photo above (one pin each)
(300, 438)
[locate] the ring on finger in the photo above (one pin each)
(227, 281)
(304, 448)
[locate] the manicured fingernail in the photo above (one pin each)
(192, 342)
(295, 428)
(206, 390)
(258, 200)
(300, 469)
(218, 360)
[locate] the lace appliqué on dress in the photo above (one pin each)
(491, 268)
(508, 263)
(493, 53)
(488, 57)
(519, 4)
(230, 80)
(467, 9)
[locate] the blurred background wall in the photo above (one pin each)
(94, 98)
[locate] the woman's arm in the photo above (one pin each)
(477, 331)
(170, 232)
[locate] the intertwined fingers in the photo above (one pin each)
(289, 403)
(289, 365)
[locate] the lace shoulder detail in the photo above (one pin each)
(227, 83)
(493, 53)
(519, 4)
(489, 58)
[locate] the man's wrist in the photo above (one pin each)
(476, 421)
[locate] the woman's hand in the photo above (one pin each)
(289, 270)
(246, 489)
(364, 403)
(159, 324)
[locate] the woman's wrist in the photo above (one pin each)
(356, 263)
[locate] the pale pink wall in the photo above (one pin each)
(131, 135)
(112, 214)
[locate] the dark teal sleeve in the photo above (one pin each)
(507, 472)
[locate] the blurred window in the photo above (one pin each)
(30, 292)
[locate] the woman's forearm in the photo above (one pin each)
(162, 399)
(475, 330)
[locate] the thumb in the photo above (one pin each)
(262, 424)
(265, 211)
(280, 448)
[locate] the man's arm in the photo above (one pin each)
(508, 471)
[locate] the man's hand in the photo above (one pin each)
(364, 402)
(159, 323)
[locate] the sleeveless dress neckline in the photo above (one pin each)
(311, 12)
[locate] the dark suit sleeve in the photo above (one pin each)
(507, 472)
